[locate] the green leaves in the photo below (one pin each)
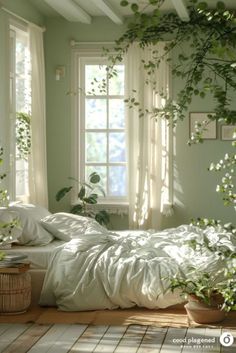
(63, 192)
(23, 135)
(94, 178)
(124, 3)
(202, 6)
(102, 217)
(88, 195)
(77, 209)
(81, 193)
(134, 7)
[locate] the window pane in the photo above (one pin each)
(22, 178)
(116, 83)
(117, 147)
(23, 73)
(102, 171)
(116, 114)
(96, 147)
(21, 102)
(95, 114)
(92, 73)
(117, 181)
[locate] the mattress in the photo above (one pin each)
(38, 256)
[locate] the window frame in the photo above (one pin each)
(81, 57)
(14, 27)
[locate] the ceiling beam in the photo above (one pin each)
(70, 10)
(181, 9)
(107, 9)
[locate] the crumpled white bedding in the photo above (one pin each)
(106, 270)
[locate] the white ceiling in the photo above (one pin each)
(85, 10)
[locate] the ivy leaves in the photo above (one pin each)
(4, 197)
(211, 66)
(23, 135)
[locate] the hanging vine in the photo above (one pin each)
(201, 52)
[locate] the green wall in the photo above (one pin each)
(194, 186)
(24, 9)
(58, 52)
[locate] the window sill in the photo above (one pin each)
(121, 208)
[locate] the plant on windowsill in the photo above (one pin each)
(210, 295)
(87, 195)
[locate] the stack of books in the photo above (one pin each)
(16, 262)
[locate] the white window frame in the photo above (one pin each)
(15, 25)
(81, 57)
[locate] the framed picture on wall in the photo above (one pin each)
(210, 125)
(227, 132)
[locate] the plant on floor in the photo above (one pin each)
(210, 69)
(209, 288)
(206, 291)
(216, 290)
(88, 195)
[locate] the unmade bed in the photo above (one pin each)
(84, 266)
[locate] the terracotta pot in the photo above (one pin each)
(216, 300)
(205, 314)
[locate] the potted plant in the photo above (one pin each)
(209, 298)
(210, 295)
(88, 195)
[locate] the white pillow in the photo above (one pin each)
(33, 233)
(65, 226)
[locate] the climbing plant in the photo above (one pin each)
(201, 52)
(3, 192)
(9, 228)
(23, 135)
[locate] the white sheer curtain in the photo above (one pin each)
(5, 113)
(149, 142)
(38, 161)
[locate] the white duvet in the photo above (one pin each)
(106, 270)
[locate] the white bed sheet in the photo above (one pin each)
(38, 256)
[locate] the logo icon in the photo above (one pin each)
(226, 339)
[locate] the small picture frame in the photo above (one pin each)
(227, 132)
(195, 117)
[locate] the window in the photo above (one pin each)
(20, 104)
(102, 127)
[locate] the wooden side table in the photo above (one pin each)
(15, 289)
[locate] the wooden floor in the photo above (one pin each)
(60, 338)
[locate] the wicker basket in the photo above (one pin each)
(15, 292)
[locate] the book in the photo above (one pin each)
(19, 268)
(12, 260)
(14, 257)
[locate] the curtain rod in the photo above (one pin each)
(43, 29)
(75, 43)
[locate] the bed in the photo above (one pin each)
(83, 266)
(39, 259)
